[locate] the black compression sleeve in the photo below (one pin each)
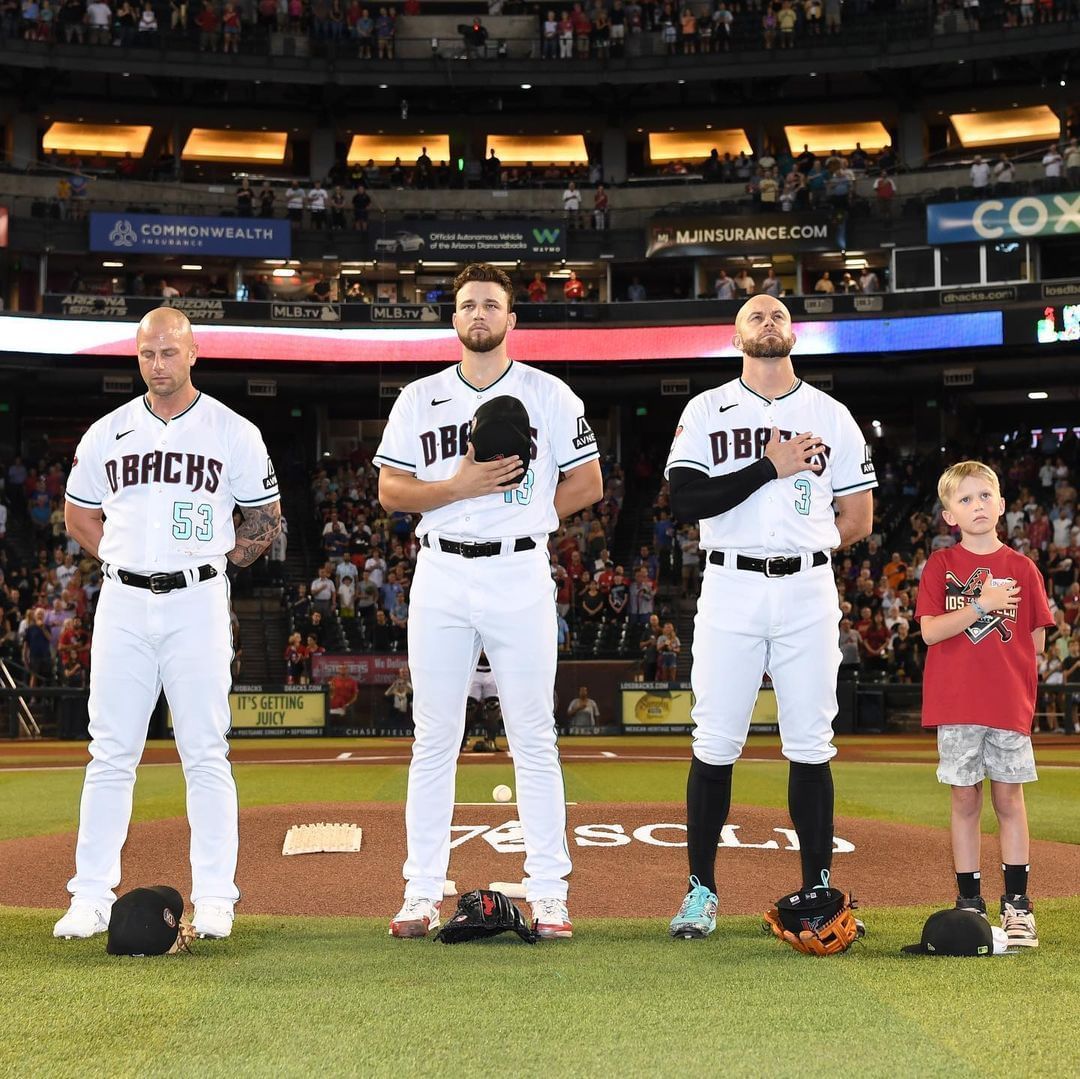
(695, 496)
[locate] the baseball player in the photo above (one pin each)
(483, 580)
(483, 704)
(779, 475)
(151, 493)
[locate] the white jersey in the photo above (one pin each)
(168, 489)
(725, 429)
(428, 433)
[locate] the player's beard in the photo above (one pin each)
(770, 347)
(482, 344)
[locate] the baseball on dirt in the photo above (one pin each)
(502, 793)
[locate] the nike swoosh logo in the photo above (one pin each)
(123, 434)
(442, 402)
(724, 408)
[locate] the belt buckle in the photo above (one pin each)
(160, 583)
(768, 566)
(468, 550)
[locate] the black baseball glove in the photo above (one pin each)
(483, 914)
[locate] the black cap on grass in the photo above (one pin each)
(146, 921)
(954, 932)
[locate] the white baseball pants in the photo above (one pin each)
(505, 604)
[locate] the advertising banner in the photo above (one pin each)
(664, 707)
(669, 237)
(1003, 219)
(274, 710)
(467, 241)
(367, 669)
(125, 233)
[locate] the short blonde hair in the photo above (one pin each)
(952, 477)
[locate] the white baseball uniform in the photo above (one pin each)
(504, 604)
(167, 490)
(748, 622)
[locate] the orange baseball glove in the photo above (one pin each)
(820, 921)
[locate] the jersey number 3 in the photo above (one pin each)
(802, 504)
(184, 525)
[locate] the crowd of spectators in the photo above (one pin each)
(359, 597)
(596, 30)
(47, 598)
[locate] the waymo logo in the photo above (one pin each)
(546, 236)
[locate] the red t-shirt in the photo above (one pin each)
(987, 674)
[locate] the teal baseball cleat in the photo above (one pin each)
(697, 915)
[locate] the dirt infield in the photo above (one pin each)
(629, 860)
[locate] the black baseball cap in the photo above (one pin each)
(145, 921)
(956, 932)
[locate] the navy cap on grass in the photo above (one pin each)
(145, 921)
(958, 933)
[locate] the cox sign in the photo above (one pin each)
(995, 219)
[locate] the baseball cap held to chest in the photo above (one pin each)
(500, 428)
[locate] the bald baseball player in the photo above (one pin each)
(151, 493)
(779, 475)
(483, 581)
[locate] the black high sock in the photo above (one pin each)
(810, 803)
(968, 885)
(708, 799)
(1016, 879)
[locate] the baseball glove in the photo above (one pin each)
(816, 922)
(483, 914)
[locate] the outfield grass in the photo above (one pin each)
(310, 996)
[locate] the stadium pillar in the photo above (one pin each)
(614, 151)
(322, 153)
(911, 140)
(24, 145)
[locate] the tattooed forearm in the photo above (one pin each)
(255, 533)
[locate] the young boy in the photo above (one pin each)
(983, 614)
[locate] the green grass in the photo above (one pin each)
(311, 996)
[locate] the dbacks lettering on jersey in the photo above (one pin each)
(189, 469)
(742, 443)
(452, 440)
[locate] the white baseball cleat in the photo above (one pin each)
(417, 918)
(213, 921)
(81, 921)
(551, 920)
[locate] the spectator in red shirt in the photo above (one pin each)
(574, 289)
(537, 289)
(207, 22)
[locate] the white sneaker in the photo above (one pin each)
(82, 920)
(213, 921)
(1018, 921)
(551, 919)
(417, 918)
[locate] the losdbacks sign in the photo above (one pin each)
(481, 241)
(190, 235)
(1003, 219)
(669, 237)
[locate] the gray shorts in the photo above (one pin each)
(969, 753)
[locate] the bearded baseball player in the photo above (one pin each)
(779, 475)
(483, 580)
(151, 493)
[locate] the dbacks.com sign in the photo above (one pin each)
(997, 219)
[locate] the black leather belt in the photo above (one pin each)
(777, 566)
(159, 583)
(480, 550)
